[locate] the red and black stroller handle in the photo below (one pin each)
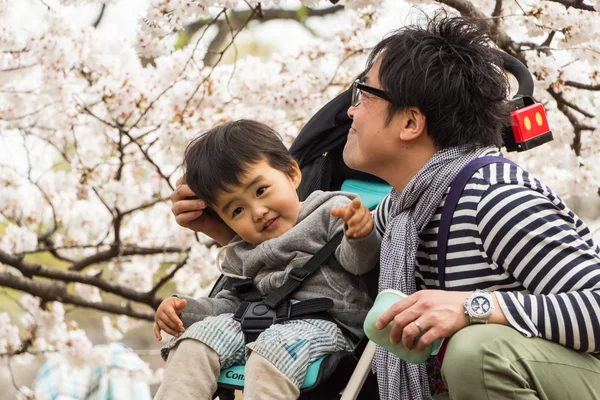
(528, 122)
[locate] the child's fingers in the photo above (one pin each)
(361, 224)
(347, 212)
(165, 325)
(364, 231)
(355, 204)
(171, 314)
(168, 317)
(367, 225)
(340, 213)
(157, 332)
(355, 223)
(180, 305)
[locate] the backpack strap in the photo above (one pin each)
(456, 189)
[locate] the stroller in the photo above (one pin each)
(318, 150)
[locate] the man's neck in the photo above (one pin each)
(401, 172)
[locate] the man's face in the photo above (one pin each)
(370, 139)
(264, 206)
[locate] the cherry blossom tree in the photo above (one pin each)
(103, 125)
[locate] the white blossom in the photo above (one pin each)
(17, 240)
(137, 273)
(111, 331)
(9, 335)
(77, 348)
(199, 271)
(89, 292)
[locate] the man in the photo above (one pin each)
(433, 100)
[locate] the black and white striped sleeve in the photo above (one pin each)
(380, 214)
(549, 250)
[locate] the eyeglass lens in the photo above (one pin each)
(356, 95)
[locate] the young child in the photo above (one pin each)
(248, 178)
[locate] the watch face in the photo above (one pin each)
(480, 306)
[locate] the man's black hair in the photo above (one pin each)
(447, 70)
(215, 161)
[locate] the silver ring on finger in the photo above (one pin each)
(419, 326)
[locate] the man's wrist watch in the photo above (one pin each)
(479, 306)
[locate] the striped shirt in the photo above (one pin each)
(513, 235)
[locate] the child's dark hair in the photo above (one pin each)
(215, 161)
(447, 70)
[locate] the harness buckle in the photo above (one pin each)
(257, 317)
(298, 274)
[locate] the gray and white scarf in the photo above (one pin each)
(411, 210)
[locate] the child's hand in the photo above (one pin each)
(358, 218)
(167, 317)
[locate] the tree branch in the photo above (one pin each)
(99, 19)
(578, 127)
(564, 106)
(268, 15)
(169, 276)
(148, 158)
(61, 276)
(220, 57)
(237, 18)
(57, 291)
(468, 9)
(560, 97)
(125, 250)
(578, 4)
(548, 39)
(582, 85)
(496, 14)
(99, 257)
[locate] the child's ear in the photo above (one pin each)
(295, 174)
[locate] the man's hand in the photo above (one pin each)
(191, 212)
(167, 317)
(440, 313)
(358, 218)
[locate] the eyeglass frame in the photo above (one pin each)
(358, 86)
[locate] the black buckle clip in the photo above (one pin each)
(257, 317)
(298, 274)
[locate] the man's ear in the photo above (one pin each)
(295, 174)
(414, 124)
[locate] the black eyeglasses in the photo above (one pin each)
(357, 91)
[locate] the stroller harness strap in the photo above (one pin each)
(256, 313)
(298, 275)
(255, 316)
(456, 189)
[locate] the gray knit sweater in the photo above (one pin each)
(269, 263)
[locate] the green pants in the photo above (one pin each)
(497, 362)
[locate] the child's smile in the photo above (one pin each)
(264, 206)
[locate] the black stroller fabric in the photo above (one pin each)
(319, 146)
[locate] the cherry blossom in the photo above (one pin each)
(98, 127)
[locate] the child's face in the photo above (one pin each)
(264, 206)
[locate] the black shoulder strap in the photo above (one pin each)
(299, 274)
(456, 189)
